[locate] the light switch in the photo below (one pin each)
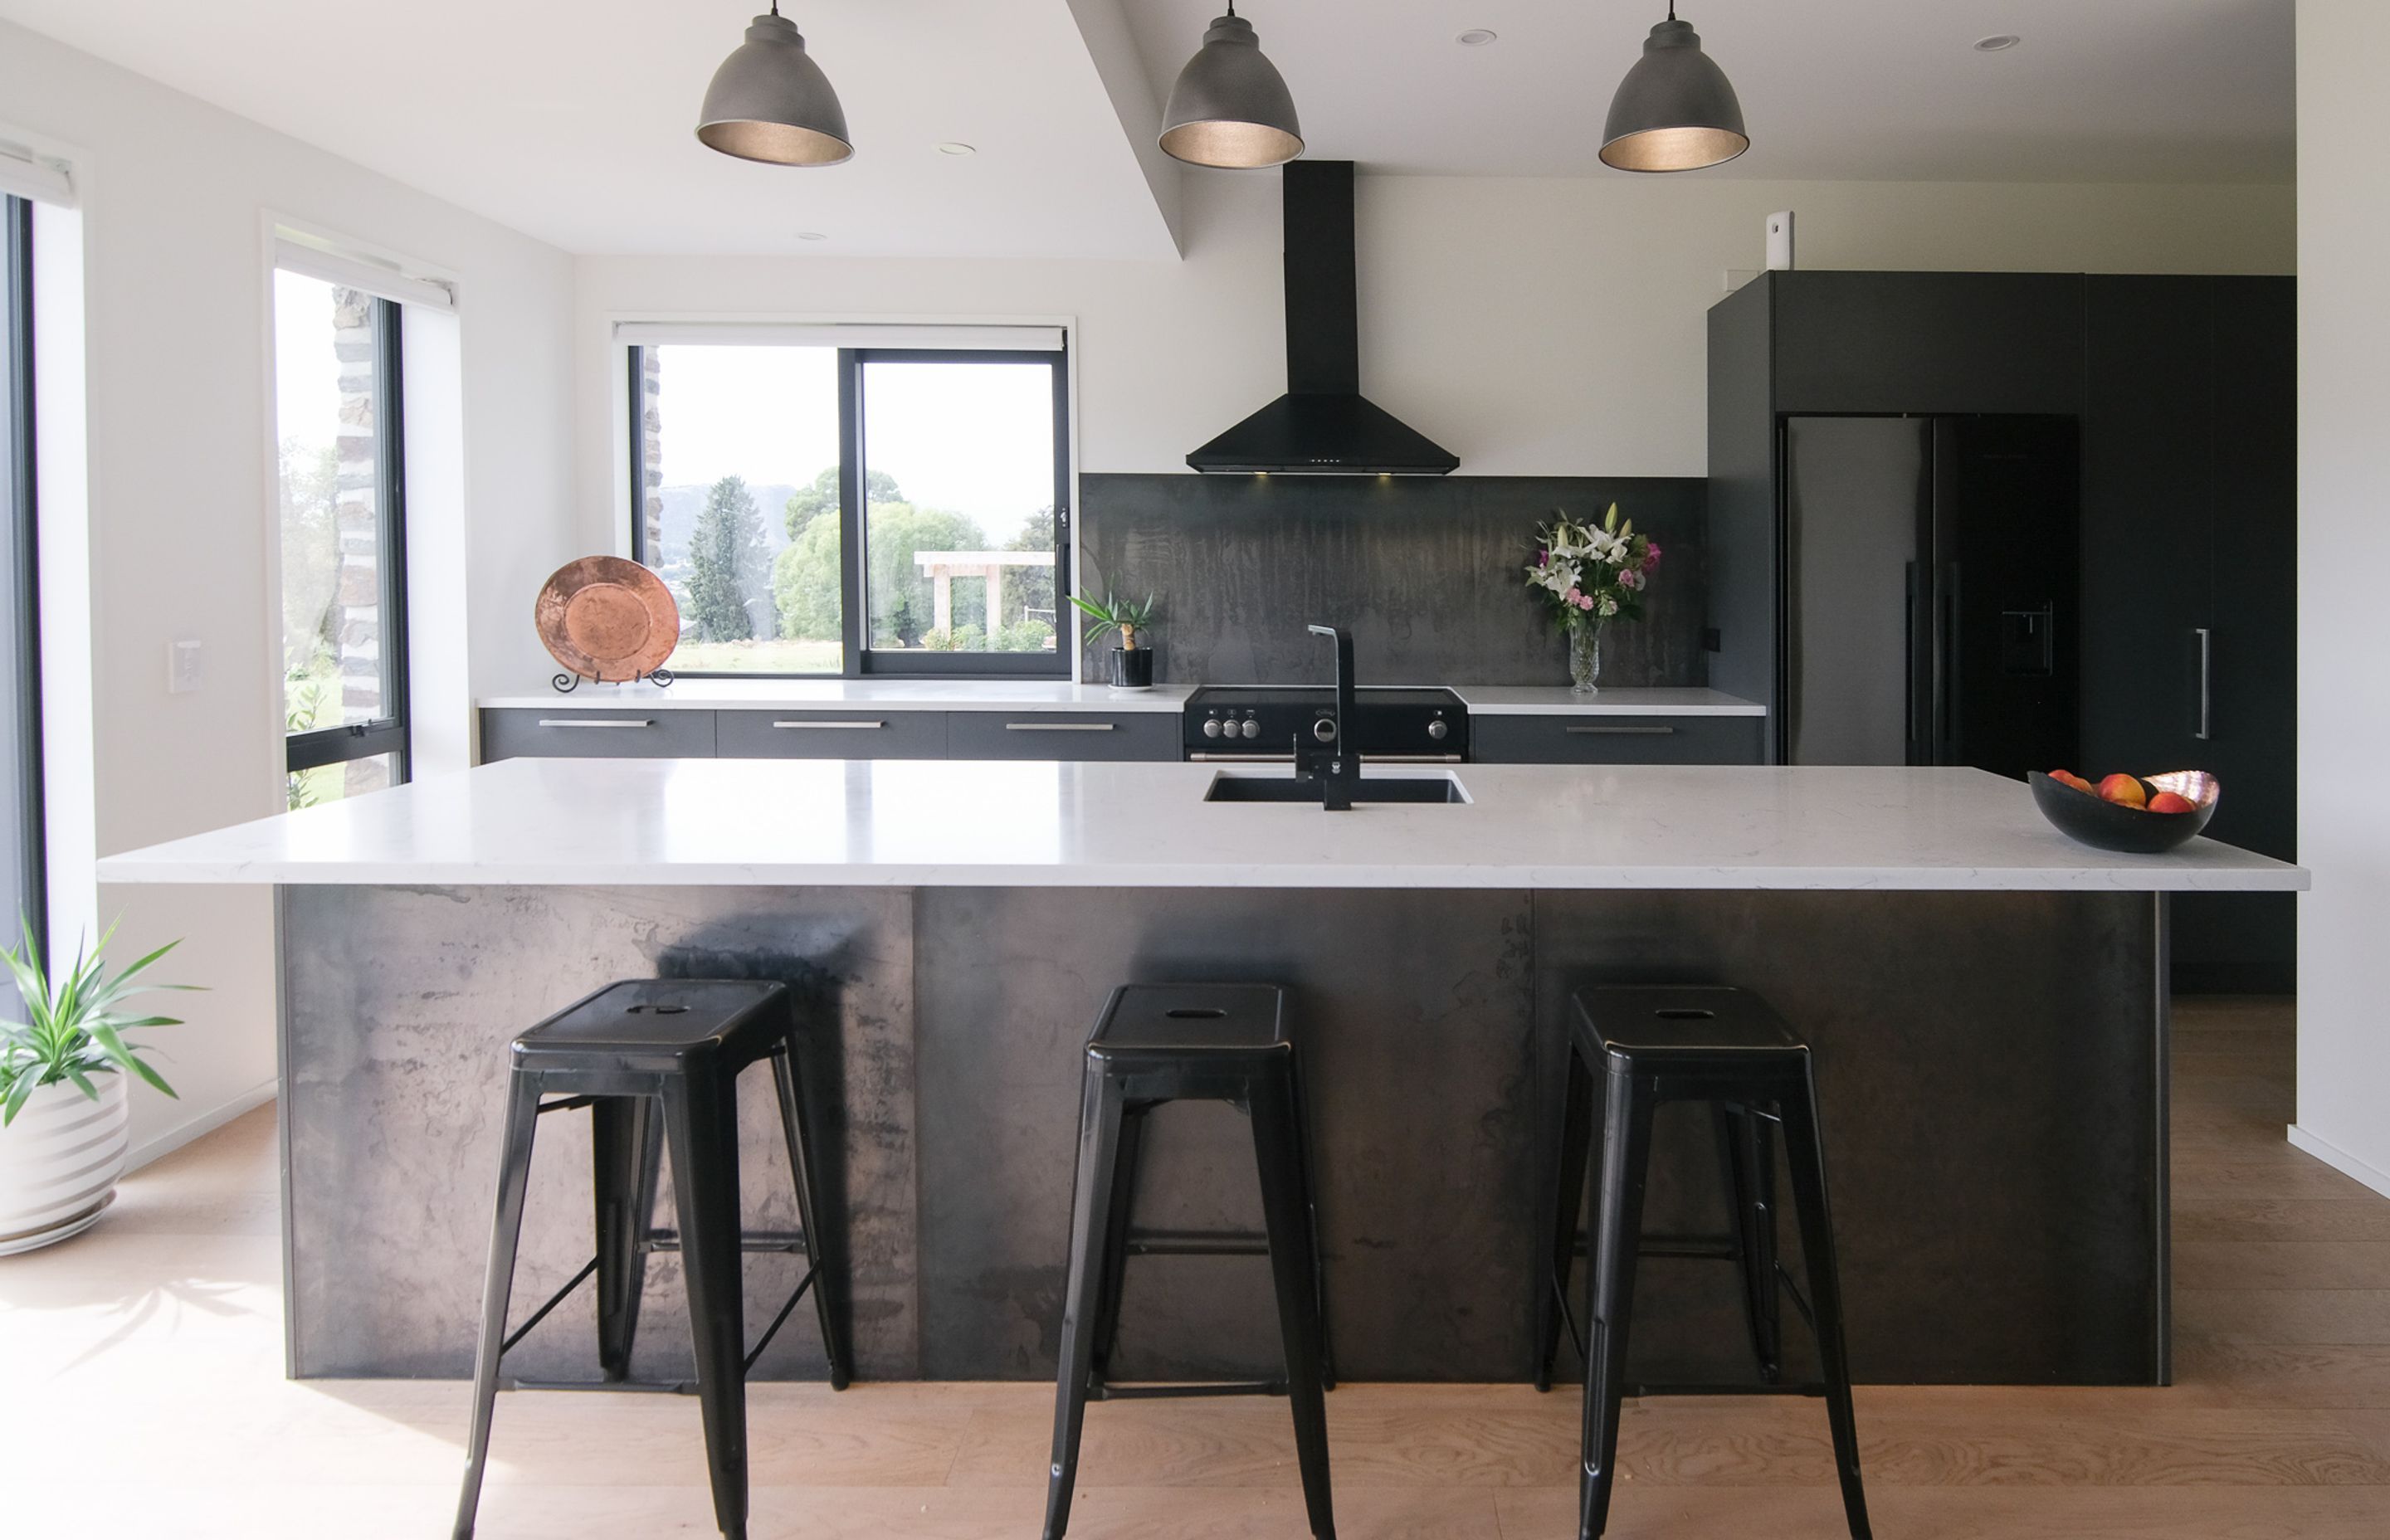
(183, 665)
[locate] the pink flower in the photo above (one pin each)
(1569, 597)
(1630, 580)
(1651, 556)
(1585, 602)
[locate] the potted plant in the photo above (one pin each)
(1132, 664)
(1592, 574)
(65, 1071)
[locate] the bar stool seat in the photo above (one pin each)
(1688, 1043)
(656, 1062)
(1154, 1043)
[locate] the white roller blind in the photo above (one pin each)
(839, 334)
(26, 174)
(354, 272)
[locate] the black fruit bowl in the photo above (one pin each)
(2093, 820)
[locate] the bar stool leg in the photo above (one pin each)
(1123, 1196)
(1091, 1209)
(701, 1124)
(1805, 1164)
(1747, 1149)
(1556, 1243)
(825, 1261)
(619, 1144)
(1610, 1290)
(506, 1233)
(1311, 1195)
(1295, 1268)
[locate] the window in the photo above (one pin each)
(842, 510)
(337, 410)
(20, 709)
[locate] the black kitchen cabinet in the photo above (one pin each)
(1586, 738)
(2185, 388)
(2191, 456)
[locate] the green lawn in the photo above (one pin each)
(773, 657)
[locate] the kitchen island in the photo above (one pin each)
(1985, 1000)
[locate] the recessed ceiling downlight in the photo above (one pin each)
(1476, 37)
(955, 147)
(811, 235)
(1999, 43)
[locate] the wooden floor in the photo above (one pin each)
(141, 1396)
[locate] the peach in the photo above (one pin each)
(2167, 802)
(2068, 778)
(2124, 789)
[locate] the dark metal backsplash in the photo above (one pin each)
(1429, 575)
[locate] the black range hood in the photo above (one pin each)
(1322, 426)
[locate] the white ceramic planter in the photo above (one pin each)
(60, 1161)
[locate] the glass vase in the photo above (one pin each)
(1585, 658)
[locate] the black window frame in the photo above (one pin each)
(29, 880)
(389, 733)
(857, 659)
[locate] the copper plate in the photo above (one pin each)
(605, 618)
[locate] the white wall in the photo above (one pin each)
(1534, 327)
(174, 193)
(2343, 1103)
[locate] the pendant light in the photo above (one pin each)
(1675, 110)
(771, 102)
(1230, 107)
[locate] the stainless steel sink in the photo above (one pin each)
(1230, 788)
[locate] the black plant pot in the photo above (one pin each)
(1132, 668)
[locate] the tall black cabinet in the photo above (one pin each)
(2185, 391)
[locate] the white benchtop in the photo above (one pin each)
(964, 823)
(921, 695)
(1033, 695)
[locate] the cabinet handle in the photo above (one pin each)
(1059, 726)
(2206, 702)
(834, 726)
(1623, 732)
(578, 722)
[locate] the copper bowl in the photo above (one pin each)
(2091, 819)
(605, 618)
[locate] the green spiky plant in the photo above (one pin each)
(1125, 616)
(76, 1027)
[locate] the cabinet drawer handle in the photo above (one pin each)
(1625, 732)
(836, 727)
(1059, 726)
(577, 722)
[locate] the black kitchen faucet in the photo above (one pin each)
(1325, 754)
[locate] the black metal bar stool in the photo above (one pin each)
(673, 1047)
(1161, 1043)
(1693, 1043)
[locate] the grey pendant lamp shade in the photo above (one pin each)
(771, 102)
(1675, 110)
(1230, 107)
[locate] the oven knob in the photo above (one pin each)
(1252, 728)
(1324, 730)
(1439, 729)
(1211, 727)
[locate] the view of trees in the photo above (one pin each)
(727, 554)
(726, 550)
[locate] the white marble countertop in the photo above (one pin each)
(1035, 695)
(1560, 701)
(921, 695)
(964, 823)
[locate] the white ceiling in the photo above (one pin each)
(575, 119)
(2098, 90)
(574, 122)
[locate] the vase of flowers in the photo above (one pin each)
(1592, 574)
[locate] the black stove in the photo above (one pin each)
(1259, 722)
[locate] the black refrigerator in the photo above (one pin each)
(1931, 604)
